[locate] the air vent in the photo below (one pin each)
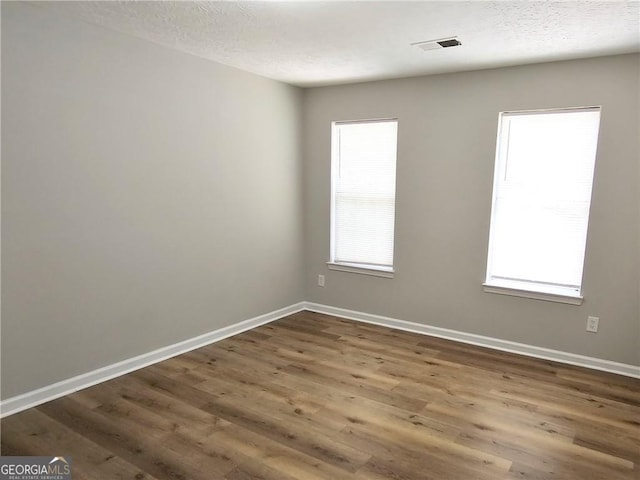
(438, 43)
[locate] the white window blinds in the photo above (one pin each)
(363, 193)
(542, 194)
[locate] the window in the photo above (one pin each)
(363, 186)
(541, 198)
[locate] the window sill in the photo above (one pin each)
(548, 297)
(361, 269)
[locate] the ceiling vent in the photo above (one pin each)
(438, 43)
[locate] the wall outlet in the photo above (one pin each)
(592, 324)
(321, 280)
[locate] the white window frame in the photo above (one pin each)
(529, 289)
(385, 271)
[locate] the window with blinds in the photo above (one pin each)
(363, 190)
(541, 199)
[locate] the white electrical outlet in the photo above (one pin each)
(321, 280)
(592, 324)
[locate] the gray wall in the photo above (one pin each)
(148, 196)
(447, 134)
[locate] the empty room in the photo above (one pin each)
(320, 240)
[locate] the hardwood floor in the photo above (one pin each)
(317, 397)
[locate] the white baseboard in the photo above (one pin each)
(65, 387)
(473, 339)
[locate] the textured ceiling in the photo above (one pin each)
(310, 43)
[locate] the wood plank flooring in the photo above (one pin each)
(314, 397)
